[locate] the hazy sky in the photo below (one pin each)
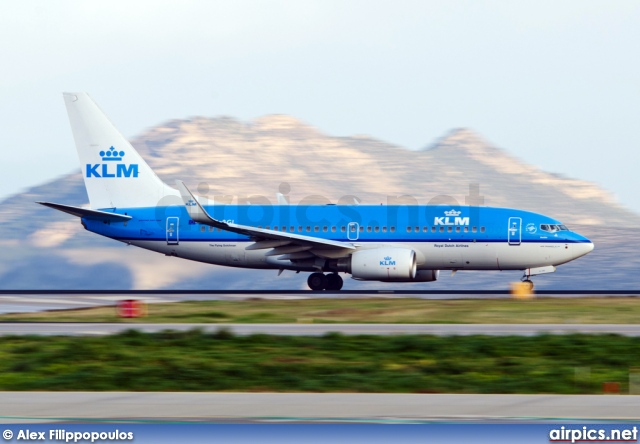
(556, 83)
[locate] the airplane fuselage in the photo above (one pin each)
(443, 237)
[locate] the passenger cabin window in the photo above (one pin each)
(333, 229)
(376, 229)
(433, 229)
(325, 229)
(308, 228)
(368, 229)
(482, 229)
(417, 229)
(474, 229)
(408, 229)
(352, 228)
(203, 227)
(384, 229)
(316, 228)
(457, 229)
(449, 229)
(466, 229)
(442, 229)
(210, 228)
(392, 229)
(299, 229)
(343, 229)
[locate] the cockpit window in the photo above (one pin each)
(552, 228)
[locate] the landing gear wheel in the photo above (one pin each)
(334, 282)
(317, 281)
(529, 283)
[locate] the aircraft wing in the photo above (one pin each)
(86, 212)
(264, 238)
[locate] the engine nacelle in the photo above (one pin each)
(384, 264)
(421, 276)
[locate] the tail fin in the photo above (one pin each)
(115, 175)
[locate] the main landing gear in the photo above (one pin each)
(319, 282)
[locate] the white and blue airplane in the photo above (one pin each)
(392, 243)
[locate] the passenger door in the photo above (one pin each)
(173, 237)
(514, 233)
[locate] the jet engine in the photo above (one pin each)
(384, 264)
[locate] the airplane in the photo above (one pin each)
(386, 243)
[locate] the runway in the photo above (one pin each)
(18, 407)
(100, 329)
(22, 301)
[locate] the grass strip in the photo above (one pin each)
(221, 361)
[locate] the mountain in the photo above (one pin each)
(230, 160)
(236, 158)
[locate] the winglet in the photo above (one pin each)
(282, 200)
(194, 209)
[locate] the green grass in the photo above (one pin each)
(614, 310)
(198, 361)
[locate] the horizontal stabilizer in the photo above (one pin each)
(85, 212)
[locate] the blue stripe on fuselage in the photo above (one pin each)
(150, 223)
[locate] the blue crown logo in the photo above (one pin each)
(387, 258)
(111, 155)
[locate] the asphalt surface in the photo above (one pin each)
(304, 407)
(22, 301)
(98, 329)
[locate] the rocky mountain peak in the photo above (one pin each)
(280, 124)
(462, 136)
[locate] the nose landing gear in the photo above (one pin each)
(526, 279)
(528, 282)
(319, 282)
(528, 272)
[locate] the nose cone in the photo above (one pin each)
(583, 246)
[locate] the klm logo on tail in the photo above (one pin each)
(110, 168)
